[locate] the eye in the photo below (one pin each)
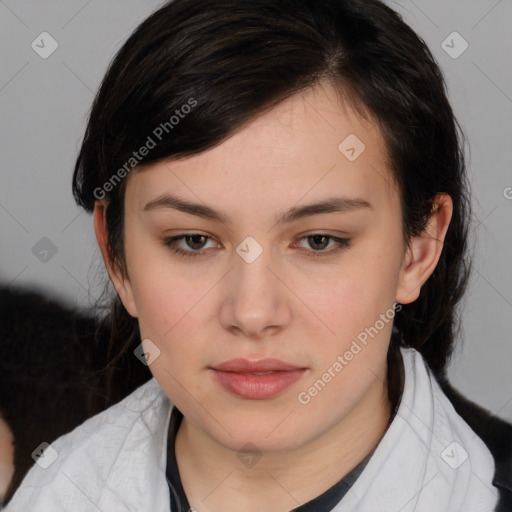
(319, 242)
(188, 244)
(195, 244)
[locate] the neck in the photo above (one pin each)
(214, 480)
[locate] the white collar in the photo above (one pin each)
(429, 459)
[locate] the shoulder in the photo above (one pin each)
(78, 467)
(494, 432)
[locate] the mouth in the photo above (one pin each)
(256, 380)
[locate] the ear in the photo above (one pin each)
(119, 279)
(424, 251)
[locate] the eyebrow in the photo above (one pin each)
(330, 205)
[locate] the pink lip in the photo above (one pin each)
(240, 377)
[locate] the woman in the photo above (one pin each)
(279, 195)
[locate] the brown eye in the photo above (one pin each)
(190, 244)
(318, 242)
(196, 241)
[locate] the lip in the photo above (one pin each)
(256, 380)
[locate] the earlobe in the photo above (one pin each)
(424, 251)
(119, 279)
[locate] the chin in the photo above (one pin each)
(260, 435)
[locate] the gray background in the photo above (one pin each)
(44, 105)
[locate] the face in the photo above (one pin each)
(264, 273)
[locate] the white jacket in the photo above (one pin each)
(429, 460)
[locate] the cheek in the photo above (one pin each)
(173, 310)
(162, 292)
(169, 316)
(166, 306)
(353, 295)
(357, 305)
(358, 308)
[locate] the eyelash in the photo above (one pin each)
(342, 243)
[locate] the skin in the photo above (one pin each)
(6, 457)
(287, 304)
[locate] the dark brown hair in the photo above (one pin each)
(51, 372)
(238, 58)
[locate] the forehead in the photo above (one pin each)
(311, 144)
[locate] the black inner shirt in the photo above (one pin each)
(326, 501)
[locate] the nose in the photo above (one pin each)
(255, 303)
